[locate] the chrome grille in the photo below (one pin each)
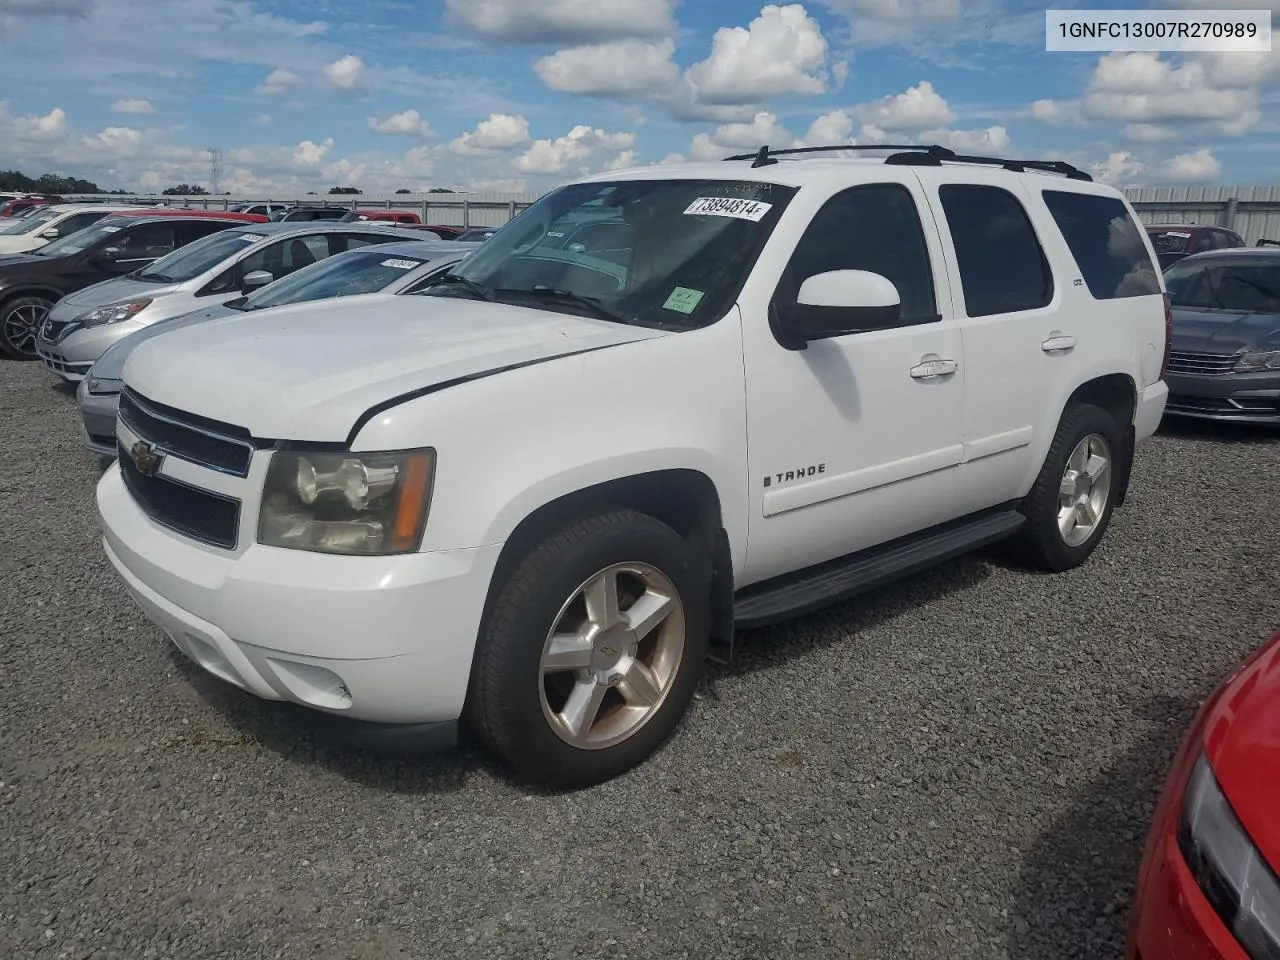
(199, 514)
(1202, 364)
(207, 443)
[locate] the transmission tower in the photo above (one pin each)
(215, 170)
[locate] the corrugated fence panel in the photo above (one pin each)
(1253, 212)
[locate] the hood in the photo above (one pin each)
(110, 366)
(1242, 743)
(20, 243)
(1222, 331)
(308, 371)
(113, 291)
(18, 259)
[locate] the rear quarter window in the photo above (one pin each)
(1106, 244)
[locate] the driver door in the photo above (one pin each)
(854, 440)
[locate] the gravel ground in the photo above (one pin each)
(960, 766)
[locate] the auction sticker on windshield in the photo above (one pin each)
(252, 237)
(401, 264)
(683, 300)
(740, 209)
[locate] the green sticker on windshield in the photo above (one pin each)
(683, 300)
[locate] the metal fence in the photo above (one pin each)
(1253, 212)
(453, 209)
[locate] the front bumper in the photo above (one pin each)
(1151, 406)
(1237, 397)
(70, 352)
(1172, 919)
(387, 640)
(98, 419)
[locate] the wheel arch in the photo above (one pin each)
(1116, 393)
(683, 498)
(51, 294)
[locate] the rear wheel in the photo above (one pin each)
(592, 650)
(1070, 506)
(20, 322)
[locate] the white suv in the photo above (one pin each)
(539, 495)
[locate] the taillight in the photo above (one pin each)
(1168, 334)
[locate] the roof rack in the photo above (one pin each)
(932, 155)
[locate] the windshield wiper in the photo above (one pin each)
(476, 289)
(590, 303)
(158, 277)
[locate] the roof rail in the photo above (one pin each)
(764, 156)
(913, 154)
(1017, 166)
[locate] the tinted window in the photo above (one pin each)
(190, 230)
(1236, 287)
(1002, 267)
(876, 228)
(147, 242)
(342, 276)
(78, 221)
(282, 258)
(352, 240)
(204, 254)
(1169, 241)
(1106, 244)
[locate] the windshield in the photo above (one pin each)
(1235, 287)
(195, 258)
(1169, 241)
(81, 239)
(28, 224)
(348, 274)
(662, 253)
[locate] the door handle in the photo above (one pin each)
(1058, 344)
(933, 369)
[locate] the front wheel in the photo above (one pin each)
(1070, 506)
(592, 650)
(20, 322)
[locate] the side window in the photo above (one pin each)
(285, 256)
(1003, 269)
(77, 222)
(874, 227)
(148, 242)
(350, 241)
(1203, 240)
(190, 230)
(1106, 244)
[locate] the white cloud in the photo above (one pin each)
(1121, 168)
(261, 120)
(623, 69)
(501, 131)
(406, 123)
(556, 156)
(992, 140)
(1052, 111)
(310, 154)
(899, 11)
(917, 107)
(781, 52)
(1198, 167)
(35, 129)
(116, 142)
(730, 138)
(623, 161)
(830, 128)
(133, 106)
(1143, 88)
(346, 75)
(564, 21)
(278, 81)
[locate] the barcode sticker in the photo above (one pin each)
(252, 237)
(401, 264)
(734, 207)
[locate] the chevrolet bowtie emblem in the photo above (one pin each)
(145, 458)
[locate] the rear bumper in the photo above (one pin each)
(1241, 398)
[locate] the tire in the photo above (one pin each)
(519, 711)
(20, 320)
(1043, 542)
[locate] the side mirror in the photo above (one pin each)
(50, 233)
(256, 278)
(842, 301)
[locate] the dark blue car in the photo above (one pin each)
(1225, 357)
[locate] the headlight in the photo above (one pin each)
(1256, 361)
(351, 503)
(1232, 874)
(102, 385)
(113, 313)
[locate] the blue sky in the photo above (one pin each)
(518, 95)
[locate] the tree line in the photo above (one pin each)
(14, 181)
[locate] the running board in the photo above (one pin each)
(793, 594)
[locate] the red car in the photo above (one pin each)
(1208, 887)
(213, 214)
